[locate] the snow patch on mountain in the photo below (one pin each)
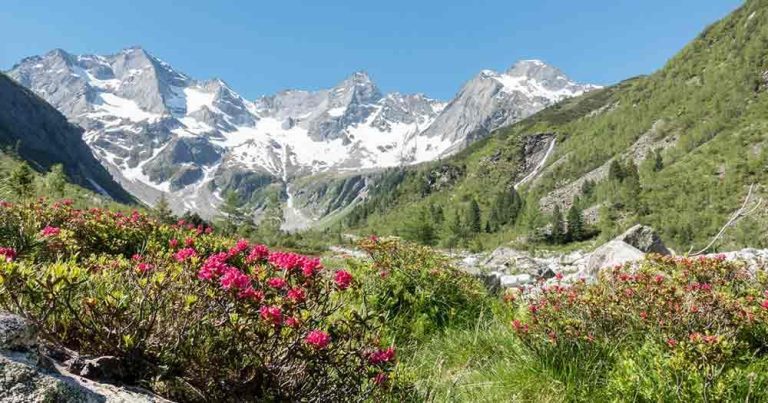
(160, 131)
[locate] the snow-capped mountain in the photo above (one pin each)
(159, 131)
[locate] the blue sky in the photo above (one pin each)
(428, 46)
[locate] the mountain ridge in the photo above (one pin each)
(160, 131)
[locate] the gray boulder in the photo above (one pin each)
(613, 253)
(16, 333)
(28, 377)
(645, 239)
(518, 280)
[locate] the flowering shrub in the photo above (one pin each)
(416, 289)
(666, 329)
(180, 305)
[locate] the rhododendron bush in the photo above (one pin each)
(179, 305)
(416, 289)
(665, 329)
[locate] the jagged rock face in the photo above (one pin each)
(159, 131)
(492, 100)
(43, 137)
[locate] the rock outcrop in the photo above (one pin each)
(28, 375)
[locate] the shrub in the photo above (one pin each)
(696, 322)
(416, 289)
(179, 305)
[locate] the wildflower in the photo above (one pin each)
(214, 266)
(189, 242)
(381, 379)
(235, 279)
(519, 327)
(285, 260)
(258, 253)
(382, 356)
(343, 279)
(296, 295)
(277, 282)
(50, 231)
(184, 254)
(9, 254)
(310, 266)
(240, 246)
(271, 314)
(671, 342)
(644, 315)
(318, 339)
(559, 276)
(658, 279)
(173, 243)
(374, 238)
(144, 267)
(250, 293)
(764, 304)
(292, 322)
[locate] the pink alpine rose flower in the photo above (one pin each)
(271, 314)
(343, 279)
(8, 254)
(235, 279)
(277, 282)
(318, 339)
(184, 254)
(50, 231)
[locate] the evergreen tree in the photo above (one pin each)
(162, 211)
(474, 224)
(454, 231)
(421, 228)
(575, 221)
(193, 218)
(21, 180)
(557, 232)
(616, 171)
(658, 161)
(56, 180)
(488, 228)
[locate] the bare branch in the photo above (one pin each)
(735, 217)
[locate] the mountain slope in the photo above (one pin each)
(41, 135)
(703, 114)
(160, 131)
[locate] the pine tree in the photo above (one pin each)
(162, 211)
(575, 224)
(557, 233)
(420, 228)
(658, 161)
(454, 231)
(616, 171)
(474, 224)
(56, 180)
(21, 180)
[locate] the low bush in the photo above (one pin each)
(179, 305)
(690, 329)
(416, 290)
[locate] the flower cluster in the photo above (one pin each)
(8, 254)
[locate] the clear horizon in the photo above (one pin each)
(429, 47)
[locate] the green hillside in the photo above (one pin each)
(697, 128)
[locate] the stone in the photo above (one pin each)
(16, 333)
(516, 280)
(645, 239)
(103, 369)
(613, 253)
(28, 377)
